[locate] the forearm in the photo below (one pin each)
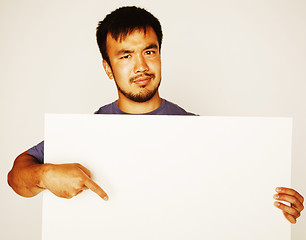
(25, 176)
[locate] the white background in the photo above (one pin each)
(228, 58)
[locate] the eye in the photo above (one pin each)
(125, 57)
(149, 52)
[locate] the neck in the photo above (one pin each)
(129, 106)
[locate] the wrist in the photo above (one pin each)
(42, 174)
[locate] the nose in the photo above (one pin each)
(140, 64)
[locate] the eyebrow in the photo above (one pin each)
(153, 45)
(125, 51)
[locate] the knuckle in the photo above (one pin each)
(75, 192)
(77, 165)
(81, 179)
(295, 213)
(77, 183)
(67, 195)
(295, 201)
(75, 189)
(78, 192)
(94, 188)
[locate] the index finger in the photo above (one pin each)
(96, 188)
(290, 192)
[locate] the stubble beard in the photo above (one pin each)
(144, 96)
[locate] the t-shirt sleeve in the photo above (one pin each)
(38, 152)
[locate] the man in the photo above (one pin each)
(129, 40)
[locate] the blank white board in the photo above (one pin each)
(170, 177)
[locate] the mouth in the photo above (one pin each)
(142, 81)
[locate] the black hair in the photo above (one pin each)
(122, 22)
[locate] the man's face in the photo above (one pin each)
(135, 65)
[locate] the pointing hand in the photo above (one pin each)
(68, 180)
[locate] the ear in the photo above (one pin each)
(108, 69)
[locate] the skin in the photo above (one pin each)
(135, 66)
(295, 200)
(28, 178)
(132, 60)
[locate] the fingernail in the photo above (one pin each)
(276, 196)
(105, 198)
(278, 189)
(277, 204)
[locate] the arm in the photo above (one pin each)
(28, 177)
(25, 176)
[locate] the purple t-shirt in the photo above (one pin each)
(166, 108)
